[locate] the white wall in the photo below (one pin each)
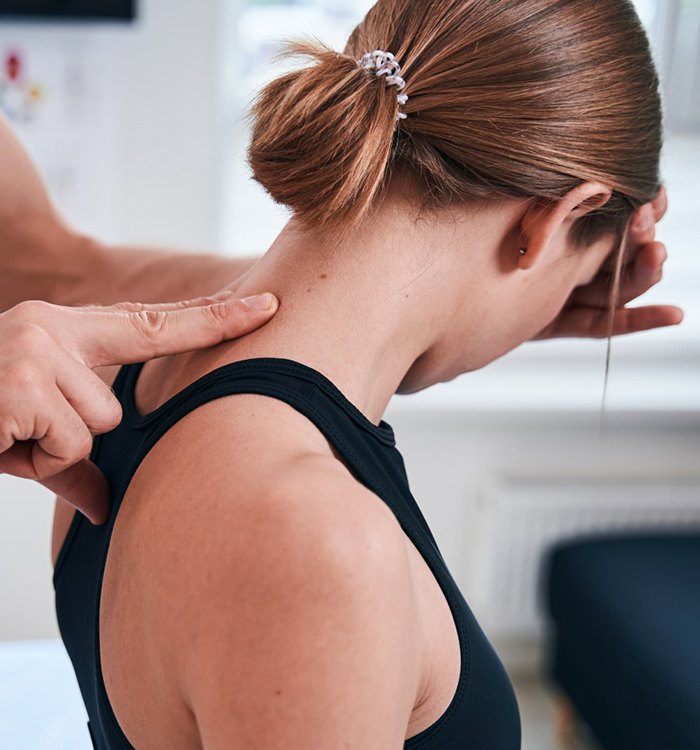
(170, 126)
(26, 592)
(131, 111)
(475, 471)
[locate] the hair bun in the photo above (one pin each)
(322, 138)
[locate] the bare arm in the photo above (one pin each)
(310, 633)
(294, 622)
(111, 274)
(41, 257)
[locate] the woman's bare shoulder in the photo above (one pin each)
(255, 457)
(247, 471)
(270, 566)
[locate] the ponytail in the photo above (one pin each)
(322, 138)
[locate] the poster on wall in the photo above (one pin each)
(58, 91)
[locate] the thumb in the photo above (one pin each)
(113, 337)
(84, 487)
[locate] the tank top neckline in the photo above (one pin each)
(240, 369)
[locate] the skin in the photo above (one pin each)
(50, 350)
(52, 404)
(295, 573)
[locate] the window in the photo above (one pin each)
(254, 30)
(250, 220)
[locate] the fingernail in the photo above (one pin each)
(259, 302)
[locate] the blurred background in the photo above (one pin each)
(134, 111)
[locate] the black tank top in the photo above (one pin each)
(483, 713)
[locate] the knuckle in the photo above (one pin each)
(23, 374)
(32, 310)
(217, 314)
(10, 431)
(151, 324)
(79, 448)
(29, 339)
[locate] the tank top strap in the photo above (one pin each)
(124, 380)
(369, 450)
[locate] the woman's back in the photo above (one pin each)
(208, 505)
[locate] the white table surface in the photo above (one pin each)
(40, 704)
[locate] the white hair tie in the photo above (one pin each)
(385, 64)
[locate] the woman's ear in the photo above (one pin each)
(545, 225)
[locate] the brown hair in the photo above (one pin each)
(514, 98)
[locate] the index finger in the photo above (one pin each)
(113, 337)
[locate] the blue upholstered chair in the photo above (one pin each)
(625, 646)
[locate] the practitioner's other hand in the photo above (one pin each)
(585, 314)
(52, 403)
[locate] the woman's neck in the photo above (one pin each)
(350, 318)
(362, 311)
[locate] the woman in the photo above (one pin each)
(266, 579)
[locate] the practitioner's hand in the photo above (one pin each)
(586, 312)
(52, 403)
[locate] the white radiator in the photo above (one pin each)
(520, 518)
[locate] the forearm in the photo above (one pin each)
(113, 274)
(62, 267)
(41, 257)
(37, 261)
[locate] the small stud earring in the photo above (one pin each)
(523, 251)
